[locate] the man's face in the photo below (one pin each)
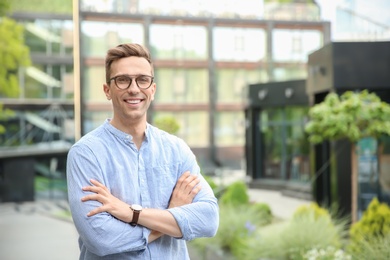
(131, 104)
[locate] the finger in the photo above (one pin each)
(96, 197)
(98, 184)
(94, 189)
(96, 211)
(195, 191)
(193, 182)
(189, 179)
(182, 178)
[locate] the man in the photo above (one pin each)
(135, 191)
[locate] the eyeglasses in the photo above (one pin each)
(124, 81)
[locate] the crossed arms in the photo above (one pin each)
(159, 221)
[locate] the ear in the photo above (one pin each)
(153, 88)
(106, 90)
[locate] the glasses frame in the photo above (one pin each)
(131, 80)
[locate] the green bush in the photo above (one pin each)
(310, 228)
(167, 123)
(375, 248)
(237, 225)
(373, 226)
(235, 194)
(264, 210)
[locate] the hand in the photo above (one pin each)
(186, 188)
(111, 204)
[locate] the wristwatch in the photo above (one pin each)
(136, 211)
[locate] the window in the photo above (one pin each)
(181, 86)
(230, 129)
(294, 45)
(194, 126)
(232, 83)
(286, 146)
(178, 42)
(98, 37)
(93, 84)
(239, 44)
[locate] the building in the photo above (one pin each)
(204, 57)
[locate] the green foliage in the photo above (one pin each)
(310, 228)
(236, 227)
(264, 210)
(4, 7)
(375, 248)
(43, 6)
(235, 194)
(167, 123)
(239, 219)
(374, 225)
(312, 209)
(353, 115)
(4, 114)
(13, 54)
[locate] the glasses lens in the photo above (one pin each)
(143, 81)
(123, 82)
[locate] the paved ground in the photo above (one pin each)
(40, 231)
(32, 231)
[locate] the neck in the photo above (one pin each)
(136, 130)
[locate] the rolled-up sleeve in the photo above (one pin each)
(101, 234)
(200, 218)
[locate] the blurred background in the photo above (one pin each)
(235, 80)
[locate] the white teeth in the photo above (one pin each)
(133, 101)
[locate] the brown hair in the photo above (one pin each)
(123, 51)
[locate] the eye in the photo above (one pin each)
(123, 80)
(143, 79)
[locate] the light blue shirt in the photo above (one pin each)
(147, 177)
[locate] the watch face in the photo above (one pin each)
(136, 207)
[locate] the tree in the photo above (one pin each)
(13, 54)
(361, 118)
(352, 116)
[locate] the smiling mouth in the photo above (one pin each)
(133, 101)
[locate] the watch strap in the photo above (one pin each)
(136, 213)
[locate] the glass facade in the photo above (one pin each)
(239, 44)
(49, 36)
(49, 40)
(295, 45)
(193, 126)
(178, 42)
(285, 144)
(360, 20)
(231, 84)
(94, 78)
(98, 37)
(201, 81)
(181, 86)
(44, 104)
(230, 129)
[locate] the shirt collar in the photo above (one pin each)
(122, 135)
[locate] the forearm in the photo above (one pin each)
(161, 221)
(199, 219)
(154, 235)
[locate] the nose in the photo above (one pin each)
(133, 86)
